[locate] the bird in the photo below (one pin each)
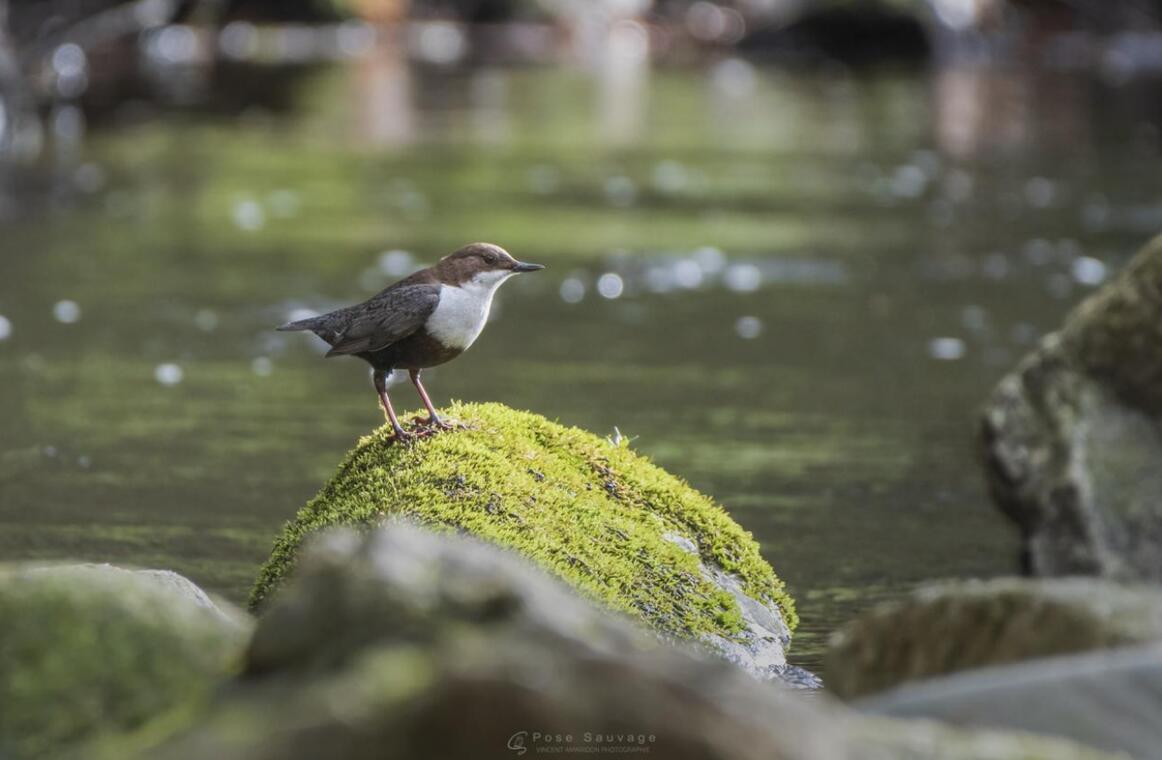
(424, 320)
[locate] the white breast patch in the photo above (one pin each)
(461, 312)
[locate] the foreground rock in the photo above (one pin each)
(1072, 439)
(92, 648)
(962, 625)
(618, 529)
(408, 644)
(1110, 700)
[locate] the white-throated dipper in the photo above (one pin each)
(426, 319)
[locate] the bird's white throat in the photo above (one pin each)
(462, 310)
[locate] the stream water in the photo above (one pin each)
(794, 290)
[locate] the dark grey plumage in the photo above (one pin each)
(394, 314)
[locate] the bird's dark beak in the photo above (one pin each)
(524, 266)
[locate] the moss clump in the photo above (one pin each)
(617, 528)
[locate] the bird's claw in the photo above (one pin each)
(424, 427)
(428, 423)
(402, 436)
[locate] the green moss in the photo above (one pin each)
(595, 514)
(89, 649)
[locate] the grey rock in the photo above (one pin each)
(402, 643)
(1072, 439)
(404, 584)
(91, 648)
(687, 544)
(1111, 700)
(173, 584)
(959, 625)
(760, 649)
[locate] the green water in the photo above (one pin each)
(878, 213)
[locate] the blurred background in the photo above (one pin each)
(791, 245)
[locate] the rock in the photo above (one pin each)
(1109, 700)
(960, 625)
(1072, 440)
(404, 643)
(92, 648)
(618, 529)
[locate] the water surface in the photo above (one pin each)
(793, 290)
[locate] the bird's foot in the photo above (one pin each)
(435, 423)
(403, 436)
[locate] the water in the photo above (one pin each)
(793, 290)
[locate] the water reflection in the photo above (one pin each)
(624, 72)
(381, 99)
(665, 272)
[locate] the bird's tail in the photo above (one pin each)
(311, 323)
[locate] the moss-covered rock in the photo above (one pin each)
(960, 625)
(405, 643)
(1072, 438)
(92, 648)
(615, 527)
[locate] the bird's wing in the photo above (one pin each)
(389, 317)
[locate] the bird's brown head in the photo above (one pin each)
(480, 263)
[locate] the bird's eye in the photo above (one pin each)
(489, 259)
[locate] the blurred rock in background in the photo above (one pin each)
(955, 626)
(1072, 439)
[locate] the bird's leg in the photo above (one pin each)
(433, 419)
(381, 389)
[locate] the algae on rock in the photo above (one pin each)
(614, 526)
(87, 649)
